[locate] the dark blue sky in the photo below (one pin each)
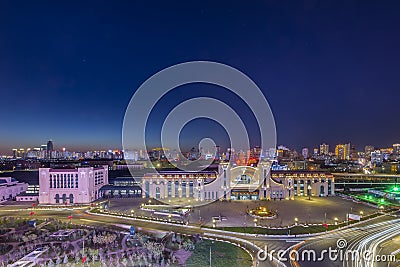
(329, 69)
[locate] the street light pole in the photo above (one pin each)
(212, 242)
(210, 255)
(199, 216)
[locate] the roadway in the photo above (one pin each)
(364, 239)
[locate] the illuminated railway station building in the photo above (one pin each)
(237, 183)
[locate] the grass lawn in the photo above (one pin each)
(223, 254)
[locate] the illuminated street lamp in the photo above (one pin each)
(361, 213)
(336, 220)
(309, 191)
(296, 220)
(132, 212)
(255, 222)
(212, 242)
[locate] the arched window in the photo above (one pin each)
(158, 194)
(224, 177)
(191, 189)
(57, 197)
(71, 198)
(183, 188)
(169, 189)
(176, 189)
(322, 191)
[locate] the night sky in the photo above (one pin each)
(329, 69)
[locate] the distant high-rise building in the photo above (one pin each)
(368, 150)
(353, 155)
(217, 153)
(386, 152)
(49, 149)
(304, 152)
(283, 152)
(315, 151)
(50, 145)
(19, 153)
(324, 149)
(342, 151)
(376, 157)
(396, 149)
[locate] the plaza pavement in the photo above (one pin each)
(234, 212)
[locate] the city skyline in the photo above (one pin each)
(327, 147)
(328, 70)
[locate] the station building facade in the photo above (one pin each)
(237, 183)
(71, 186)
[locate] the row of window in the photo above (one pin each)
(177, 189)
(301, 175)
(177, 176)
(64, 199)
(210, 195)
(183, 188)
(98, 178)
(276, 194)
(321, 191)
(308, 181)
(63, 181)
(99, 181)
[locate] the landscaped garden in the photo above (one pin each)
(65, 244)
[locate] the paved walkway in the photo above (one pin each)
(306, 211)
